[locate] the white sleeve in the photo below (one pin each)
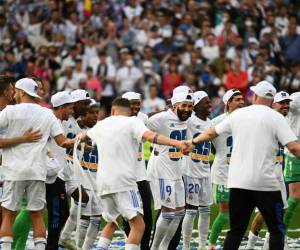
(284, 133)
(139, 129)
(93, 133)
(224, 126)
(4, 117)
(295, 103)
(154, 122)
(55, 127)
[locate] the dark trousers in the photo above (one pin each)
(146, 196)
(58, 211)
(241, 205)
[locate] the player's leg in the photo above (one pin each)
(241, 205)
(270, 205)
(221, 197)
(95, 212)
(256, 226)
(106, 236)
(145, 192)
(11, 202)
(292, 176)
(36, 197)
(83, 227)
(58, 211)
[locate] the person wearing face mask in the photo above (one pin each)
(164, 169)
(128, 77)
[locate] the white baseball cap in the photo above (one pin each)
(282, 96)
(80, 95)
(229, 93)
(61, 98)
(198, 96)
(94, 103)
(182, 89)
(131, 96)
(264, 89)
(182, 97)
(29, 86)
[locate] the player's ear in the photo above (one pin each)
(113, 110)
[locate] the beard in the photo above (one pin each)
(183, 115)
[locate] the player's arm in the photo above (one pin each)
(163, 140)
(27, 137)
(207, 135)
(65, 142)
(294, 148)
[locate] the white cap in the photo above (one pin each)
(80, 95)
(182, 97)
(94, 103)
(264, 89)
(182, 89)
(282, 96)
(29, 86)
(132, 96)
(198, 96)
(229, 93)
(61, 98)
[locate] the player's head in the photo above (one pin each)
(63, 104)
(135, 101)
(91, 116)
(83, 101)
(233, 99)
(264, 93)
(120, 106)
(26, 90)
(183, 105)
(41, 88)
(6, 88)
(202, 104)
(282, 102)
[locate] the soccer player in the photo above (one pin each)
(29, 176)
(118, 137)
(233, 100)
(91, 214)
(143, 184)
(196, 174)
(292, 163)
(251, 177)
(71, 129)
(281, 104)
(165, 169)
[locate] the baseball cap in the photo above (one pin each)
(180, 89)
(264, 89)
(29, 86)
(282, 96)
(182, 97)
(132, 96)
(94, 103)
(80, 95)
(229, 93)
(198, 96)
(61, 98)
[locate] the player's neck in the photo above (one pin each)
(203, 117)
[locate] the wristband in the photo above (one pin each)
(155, 138)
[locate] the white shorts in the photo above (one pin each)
(94, 205)
(33, 191)
(71, 186)
(198, 191)
(167, 193)
(127, 204)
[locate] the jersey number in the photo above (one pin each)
(174, 153)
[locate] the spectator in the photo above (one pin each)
(211, 50)
(93, 85)
(171, 80)
(153, 103)
(291, 44)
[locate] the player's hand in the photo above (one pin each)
(31, 136)
(184, 147)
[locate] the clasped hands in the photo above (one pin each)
(186, 146)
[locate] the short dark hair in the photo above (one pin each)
(120, 102)
(5, 81)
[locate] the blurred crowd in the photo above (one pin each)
(151, 46)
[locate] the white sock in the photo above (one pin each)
(84, 224)
(132, 247)
(266, 245)
(203, 225)
(252, 239)
(92, 232)
(187, 227)
(103, 243)
(5, 243)
(162, 226)
(168, 235)
(40, 243)
(70, 223)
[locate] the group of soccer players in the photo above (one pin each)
(52, 156)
